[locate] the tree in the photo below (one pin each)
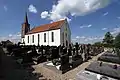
(108, 40)
(117, 41)
(98, 44)
(117, 44)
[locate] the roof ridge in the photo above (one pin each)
(50, 23)
(45, 27)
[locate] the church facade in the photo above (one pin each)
(53, 34)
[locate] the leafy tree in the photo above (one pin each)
(117, 44)
(117, 41)
(108, 40)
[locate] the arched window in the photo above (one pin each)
(33, 38)
(44, 37)
(38, 38)
(52, 36)
(28, 39)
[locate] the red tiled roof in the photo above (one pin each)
(46, 27)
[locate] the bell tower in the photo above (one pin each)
(25, 27)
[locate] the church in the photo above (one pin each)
(52, 34)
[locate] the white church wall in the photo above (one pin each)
(56, 37)
(41, 38)
(22, 40)
(65, 29)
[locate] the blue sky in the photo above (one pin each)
(88, 19)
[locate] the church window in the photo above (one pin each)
(63, 37)
(38, 38)
(33, 38)
(52, 36)
(44, 37)
(28, 39)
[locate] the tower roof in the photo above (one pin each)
(26, 18)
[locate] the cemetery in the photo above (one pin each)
(59, 59)
(64, 57)
(59, 62)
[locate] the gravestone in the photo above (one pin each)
(70, 50)
(64, 61)
(76, 49)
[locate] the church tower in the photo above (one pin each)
(25, 27)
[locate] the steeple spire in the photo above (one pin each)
(25, 26)
(26, 18)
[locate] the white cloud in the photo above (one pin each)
(104, 28)
(82, 37)
(89, 39)
(118, 17)
(86, 26)
(44, 14)
(32, 8)
(5, 8)
(105, 14)
(75, 8)
(74, 39)
(77, 37)
(115, 31)
(86, 40)
(89, 25)
(12, 37)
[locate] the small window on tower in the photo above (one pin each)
(33, 38)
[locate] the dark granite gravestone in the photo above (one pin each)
(40, 56)
(55, 53)
(76, 57)
(64, 63)
(34, 52)
(108, 57)
(49, 53)
(70, 50)
(76, 48)
(17, 52)
(1, 53)
(94, 51)
(73, 51)
(104, 69)
(27, 58)
(81, 49)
